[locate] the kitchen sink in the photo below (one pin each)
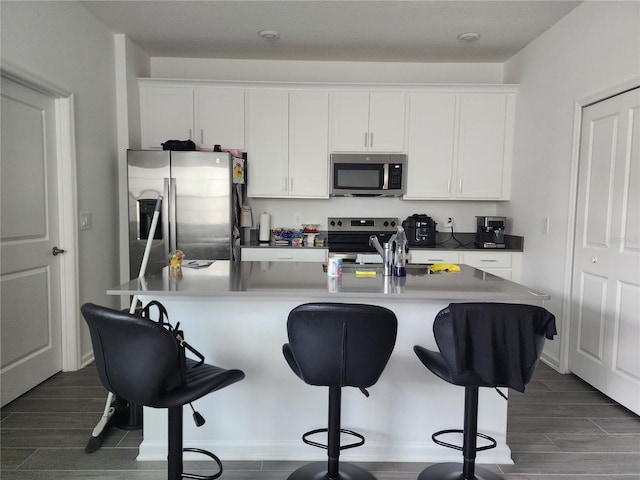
(412, 268)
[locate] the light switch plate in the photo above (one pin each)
(85, 220)
(545, 225)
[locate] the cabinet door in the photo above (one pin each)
(431, 147)
(386, 122)
(349, 121)
(267, 143)
(219, 117)
(482, 146)
(433, 256)
(284, 254)
(308, 144)
(166, 113)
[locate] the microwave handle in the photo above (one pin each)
(385, 177)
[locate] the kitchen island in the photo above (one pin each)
(235, 314)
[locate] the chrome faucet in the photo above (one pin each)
(385, 252)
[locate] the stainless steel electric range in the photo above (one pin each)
(348, 237)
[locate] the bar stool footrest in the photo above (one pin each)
(325, 430)
(208, 454)
(491, 445)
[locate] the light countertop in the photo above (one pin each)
(290, 279)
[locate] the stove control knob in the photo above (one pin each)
(393, 224)
(339, 223)
(332, 223)
(386, 224)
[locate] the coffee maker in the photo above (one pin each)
(490, 232)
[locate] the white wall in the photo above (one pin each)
(346, 72)
(283, 211)
(592, 49)
(131, 63)
(65, 45)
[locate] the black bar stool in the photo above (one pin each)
(337, 345)
(135, 356)
(482, 345)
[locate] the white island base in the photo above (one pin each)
(240, 322)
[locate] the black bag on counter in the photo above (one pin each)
(180, 145)
(178, 377)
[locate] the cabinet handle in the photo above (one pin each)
(291, 185)
(449, 185)
(460, 186)
(371, 140)
(190, 136)
(202, 136)
(366, 138)
(488, 260)
(286, 184)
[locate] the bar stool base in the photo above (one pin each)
(453, 471)
(318, 471)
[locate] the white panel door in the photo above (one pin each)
(605, 318)
(29, 273)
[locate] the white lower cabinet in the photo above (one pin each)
(502, 264)
(433, 256)
(265, 254)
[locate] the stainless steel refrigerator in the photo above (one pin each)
(203, 195)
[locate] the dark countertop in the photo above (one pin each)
(444, 241)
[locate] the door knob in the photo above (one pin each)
(594, 259)
(55, 251)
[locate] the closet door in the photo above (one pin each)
(605, 313)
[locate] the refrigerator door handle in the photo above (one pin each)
(173, 234)
(165, 219)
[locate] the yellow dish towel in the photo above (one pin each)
(444, 267)
(366, 273)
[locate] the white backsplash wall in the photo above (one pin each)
(285, 211)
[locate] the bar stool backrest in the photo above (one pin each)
(133, 355)
(492, 344)
(341, 344)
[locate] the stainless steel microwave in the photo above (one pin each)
(368, 174)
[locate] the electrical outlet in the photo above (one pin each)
(449, 223)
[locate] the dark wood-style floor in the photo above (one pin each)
(560, 429)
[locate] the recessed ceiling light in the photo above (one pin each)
(469, 36)
(269, 34)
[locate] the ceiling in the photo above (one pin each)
(362, 30)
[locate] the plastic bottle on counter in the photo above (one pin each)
(400, 260)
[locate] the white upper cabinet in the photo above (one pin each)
(287, 143)
(460, 146)
(367, 122)
(267, 143)
(308, 144)
(485, 146)
(219, 117)
(166, 113)
(431, 145)
(207, 115)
